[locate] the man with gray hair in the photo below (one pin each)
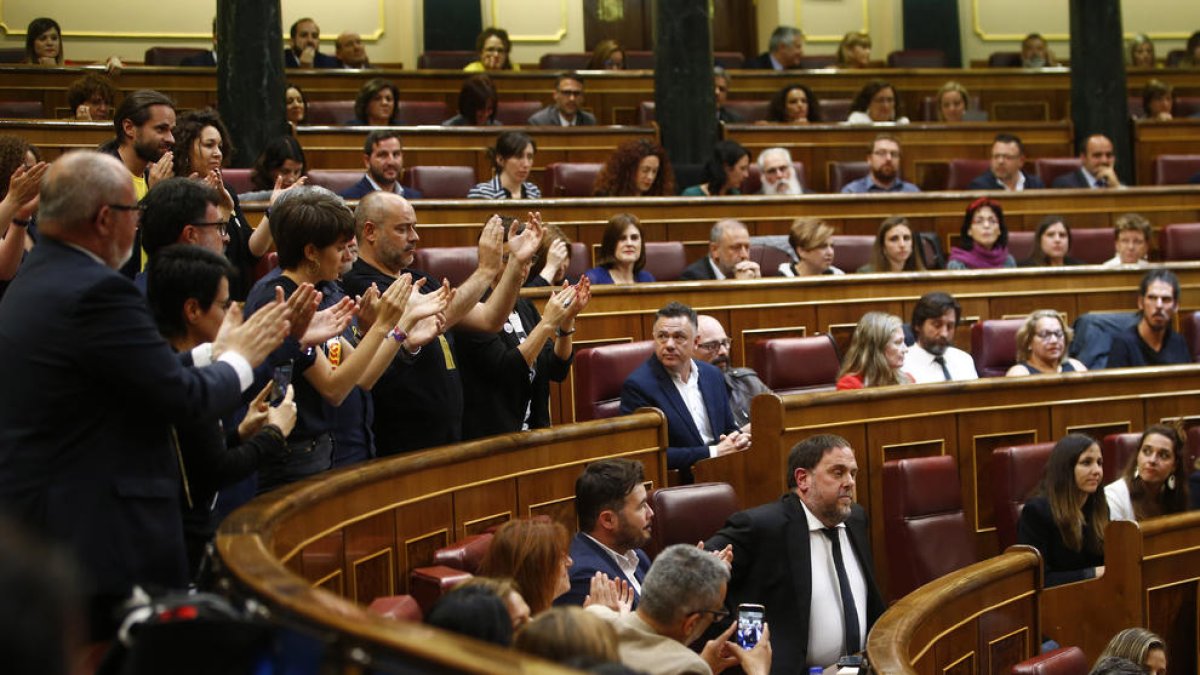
(728, 255)
(683, 594)
(721, 84)
(778, 173)
(784, 51)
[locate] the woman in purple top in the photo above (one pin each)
(622, 256)
(984, 243)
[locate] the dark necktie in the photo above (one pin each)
(941, 361)
(849, 611)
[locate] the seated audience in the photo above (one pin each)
(876, 102)
(1158, 98)
(1035, 53)
(477, 103)
(306, 45)
(614, 523)
(1008, 158)
(563, 634)
(895, 248)
(812, 240)
(567, 109)
(622, 255)
(684, 595)
(493, 47)
(690, 393)
(854, 51)
(1141, 52)
(876, 354)
(295, 105)
(794, 104)
(1051, 244)
(951, 102)
(1042, 346)
(608, 55)
(349, 50)
(280, 166)
(1065, 520)
(883, 169)
(778, 173)
(743, 383)
(375, 105)
(549, 267)
(512, 162)
(724, 172)
(534, 554)
(785, 50)
(91, 97)
(474, 611)
(505, 589)
(728, 255)
(934, 358)
(1141, 647)
(383, 158)
(722, 81)
(44, 46)
(984, 239)
(1132, 236)
(638, 168)
(1097, 171)
(1152, 341)
(1154, 482)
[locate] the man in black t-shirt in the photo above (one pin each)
(421, 405)
(1152, 342)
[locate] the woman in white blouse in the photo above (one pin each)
(1154, 482)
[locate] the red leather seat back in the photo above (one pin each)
(564, 61)
(265, 264)
(814, 61)
(646, 113)
(666, 260)
(330, 113)
(464, 554)
(796, 364)
(753, 183)
(169, 56)
(25, 110)
(447, 59)
(581, 261)
(455, 263)
(1016, 471)
(686, 514)
(769, 258)
(729, 60)
(516, 113)
(639, 60)
(841, 173)
(599, 374)
(1175, 169)
(749, 111)
(1116, 449)
(1020, 244)
(414, 113)
(571, 179)
(1004, 60)
(442, 182)
(1049, 168)
(835, 109)
(994, 345)
(963, 171)
(927, 531)
(334, 179)
(1191, 333)
(1181, 241)
(238, 179)
(852, 251)
(917, 58)
(1061, 661)
(397, 607)
(427, 584)
(1186, 106)
(1092, 245)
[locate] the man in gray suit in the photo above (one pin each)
(566, 110)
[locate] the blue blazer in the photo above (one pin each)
(651, 386)
(588, 558)
(363, 187)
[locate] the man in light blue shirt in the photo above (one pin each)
(883, 169)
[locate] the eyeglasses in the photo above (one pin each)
(571, 93)
(718, 615)
(139, 207)
(986, 220)
(1050, 334)
(221, 225)
(714, 345)
(886, 153)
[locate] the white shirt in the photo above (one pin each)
(826, 632)
(628, 563)
(716, 270)
(1020, 183)
(1120, 506)
(1115, 261)
(920, 364)
(689, 390)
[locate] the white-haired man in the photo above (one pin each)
(778, 173)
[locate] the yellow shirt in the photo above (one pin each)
(140, 189)
(477, 67)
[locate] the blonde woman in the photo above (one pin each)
(812, 240)
(876, 353)
(1042, 344)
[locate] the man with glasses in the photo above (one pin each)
(683, 595)
(742, 383)
(778, 173)
(807, 559)
(690, 393)
(1152, 341)
(181, 211)
(883, 169)
(1008, 156)
(566, 111)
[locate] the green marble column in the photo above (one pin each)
(1098, 95)
(250, 79)
(683, 84)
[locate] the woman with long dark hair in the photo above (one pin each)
(895, 248)
(724, 172)
(622, 257)
(638, 168)
(1155, 480)
(512, 161)
(794, 104)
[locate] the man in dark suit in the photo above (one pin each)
(383, 157)
(813, 621)
(614, 522)
(784, 51)
(1097, 171)
(1008, 156)
(728, 255)
(306, 41)
(690, 393)
(566, 111)
(86, 456)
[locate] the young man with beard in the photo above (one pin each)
(383, 157)
(1152, 342)
(614, 522)
(934, 358)
(883, 169)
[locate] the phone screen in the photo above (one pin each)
(750, 625)
(281, 377)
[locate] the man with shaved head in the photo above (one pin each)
(743, 384)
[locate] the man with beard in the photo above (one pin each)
(566, 110)
(807, 559)
(614, 522)
(1152, 342)
(143, 142)
(883, 169)
(306, 43)
(778, 173)
(743, 383)
(934, 358)
(383, 157)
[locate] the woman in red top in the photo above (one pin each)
(876, 353)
